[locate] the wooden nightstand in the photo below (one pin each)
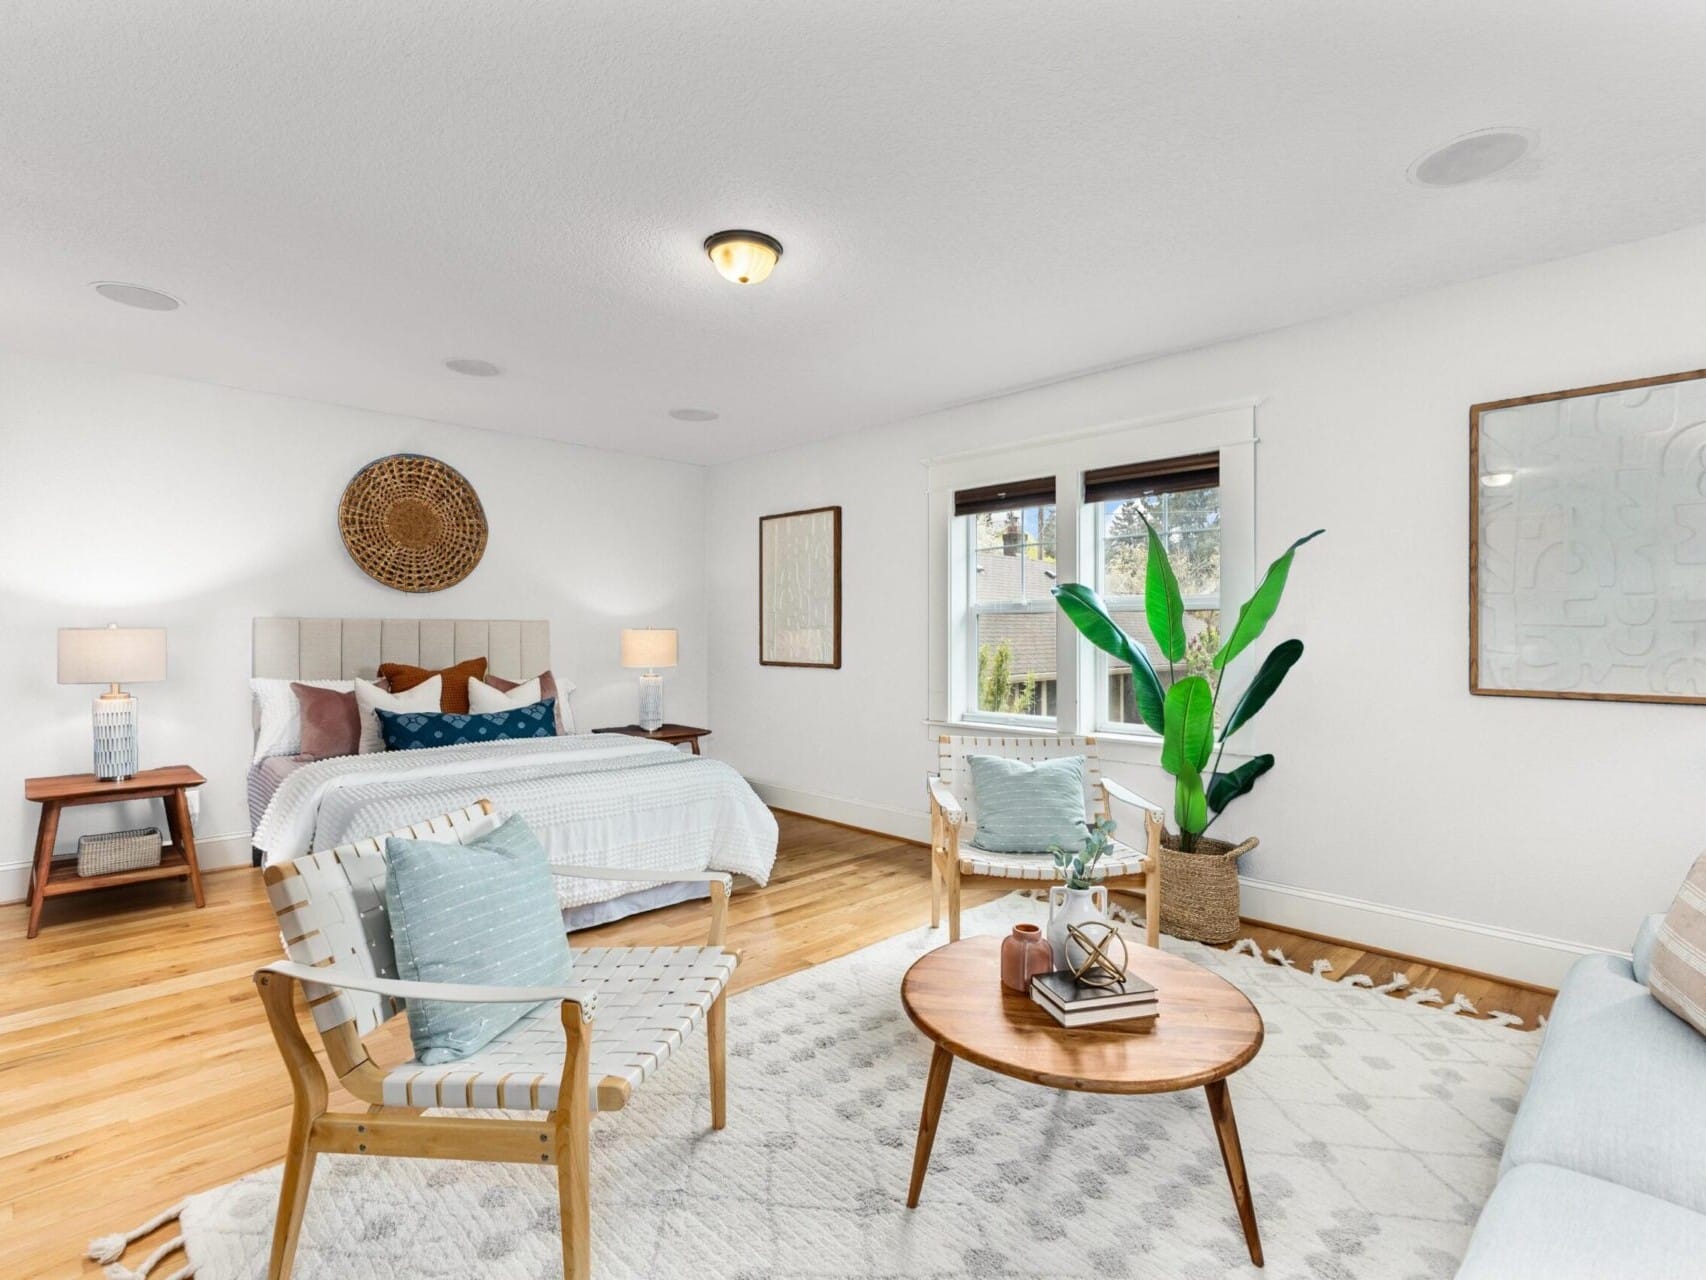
(53, 794)
(673, 733)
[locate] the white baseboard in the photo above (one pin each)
(852, 813)
(1463, 944)
(212, 852)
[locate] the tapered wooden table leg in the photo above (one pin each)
(46, 833)
(1226, 1130)
(183, 835)
(935, 1088)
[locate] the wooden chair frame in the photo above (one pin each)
(948, 815)
(561, 1139)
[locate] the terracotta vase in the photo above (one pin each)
(1024, 953)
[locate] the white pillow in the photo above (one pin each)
(278, 729)
(482, 698)
(369, 698)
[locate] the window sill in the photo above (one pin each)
(1123, 748)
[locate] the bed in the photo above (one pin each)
(595, 800)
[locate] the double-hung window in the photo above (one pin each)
(1009, 533)
(1180, 499)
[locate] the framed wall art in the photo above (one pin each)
(1587, 543)
(799, 588)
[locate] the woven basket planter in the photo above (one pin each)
(1199, 891)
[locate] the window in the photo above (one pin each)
(1180, 497)
(1009, 533)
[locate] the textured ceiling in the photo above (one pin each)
(974, 195)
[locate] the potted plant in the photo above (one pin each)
(1200, 873)
(1075, 900)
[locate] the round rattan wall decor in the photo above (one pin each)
(413, 523)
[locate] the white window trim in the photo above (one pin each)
(1230, 429)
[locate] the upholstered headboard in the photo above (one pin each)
(343, 648)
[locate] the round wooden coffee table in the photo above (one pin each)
(1207, 1029)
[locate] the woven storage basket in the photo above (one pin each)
(114, 851)
(1199, 891)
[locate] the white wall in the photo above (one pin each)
(1505, 834)
(158, 502)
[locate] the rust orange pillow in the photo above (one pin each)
(455, 696)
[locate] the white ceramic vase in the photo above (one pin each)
(1073, 906)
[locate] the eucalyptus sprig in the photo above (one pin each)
(1078, 868)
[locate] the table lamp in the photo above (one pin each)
(651, 648)
(113, 656)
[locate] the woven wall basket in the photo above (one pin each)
(413, 523)
(1199, 891)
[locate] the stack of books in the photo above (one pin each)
(1073, 1004)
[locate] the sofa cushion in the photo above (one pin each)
(1619, 1091)
(1547, 1223)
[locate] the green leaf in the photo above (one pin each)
(1085, 610)
(1163, 606)
(1189, 735)
(1274, 667)
(1190, 806)
(1259, 608)
(1224, 788)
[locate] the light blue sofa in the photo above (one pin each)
(1604, 1174)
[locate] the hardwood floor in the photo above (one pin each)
(136, 1067)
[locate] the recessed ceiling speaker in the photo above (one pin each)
(136, 295)
(1472, 157)
(472, 367)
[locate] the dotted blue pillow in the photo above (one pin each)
(415, 730)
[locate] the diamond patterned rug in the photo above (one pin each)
(1372, 1129)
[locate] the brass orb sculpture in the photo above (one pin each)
(1095, 965)
(413, 523)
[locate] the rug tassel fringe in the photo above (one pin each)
(1504, 1019)
(1424, 995)
(107, 1250)
(1248, 947)
(1320, 969)
(1460, 1004)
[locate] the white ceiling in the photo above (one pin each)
(974, 195)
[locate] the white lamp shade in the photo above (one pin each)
(648, 647)
(112, 655)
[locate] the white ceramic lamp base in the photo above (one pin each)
(651, 701)
(116, 740)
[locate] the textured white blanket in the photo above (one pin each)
(595, 800)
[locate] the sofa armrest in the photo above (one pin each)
(1645, 939)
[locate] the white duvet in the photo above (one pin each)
(594, 800)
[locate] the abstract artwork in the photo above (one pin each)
(1587, 560)
(799, 588)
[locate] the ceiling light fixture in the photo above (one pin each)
(136, 295)
(744, 257)
(1497, 479)
(694, 415)
(472, 367)
(1472, 157)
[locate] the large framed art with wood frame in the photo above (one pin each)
(1587, 543)
(799, 588)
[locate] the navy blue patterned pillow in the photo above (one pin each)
(415, 730)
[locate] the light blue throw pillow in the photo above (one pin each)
(482, 914)
(1028, 808)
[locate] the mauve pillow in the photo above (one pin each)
(331, 721)
(547, 689)
(454, 697)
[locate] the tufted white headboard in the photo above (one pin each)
(343, 648)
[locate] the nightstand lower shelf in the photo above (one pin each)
(62, 875)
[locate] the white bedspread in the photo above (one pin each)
(594, 800)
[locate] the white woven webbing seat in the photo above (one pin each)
(648, 1000)
(582, 1050)
(1121, 860)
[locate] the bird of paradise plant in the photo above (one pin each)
(1184, 713)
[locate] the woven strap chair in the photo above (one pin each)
(583, 1051)
(1134, 866)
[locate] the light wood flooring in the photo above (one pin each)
(136, 1067)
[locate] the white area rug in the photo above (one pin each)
(1372, 1129)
